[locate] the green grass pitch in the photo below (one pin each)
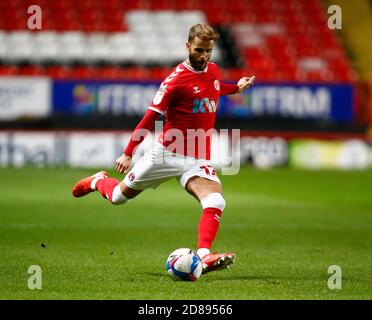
(286, 226)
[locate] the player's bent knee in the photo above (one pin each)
(213, 200)
(118, 197)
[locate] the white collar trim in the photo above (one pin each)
(187, 66)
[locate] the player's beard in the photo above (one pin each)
(197, 65)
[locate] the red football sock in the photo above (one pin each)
(208, 227)
(106, 186)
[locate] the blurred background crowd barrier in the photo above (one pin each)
(71, 92)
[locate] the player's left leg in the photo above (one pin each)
(111, 189)
(209, 194)
(148, 172)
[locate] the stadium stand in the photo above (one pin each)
(284, 40)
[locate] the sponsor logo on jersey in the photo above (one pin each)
(217, 85)
(204, 105)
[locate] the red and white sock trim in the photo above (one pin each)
(95, 180)
(118, 197)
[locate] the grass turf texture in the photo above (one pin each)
(286, 226)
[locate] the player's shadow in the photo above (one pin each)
(266, 278)
(224, 278)
(243, 277)
(253, 277)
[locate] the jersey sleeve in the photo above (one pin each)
(228, 88)
(166, 91)
(138, 135)
(163, 97)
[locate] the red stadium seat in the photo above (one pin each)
(264, 74)
(83, 72)
(234, 74)
(8, 70)
(133, 73)
(290, 75)
(274, 54)
(159, 74)
(108, 73)
(131, 4)
(255, 53)
(58, 72)
(31, 71)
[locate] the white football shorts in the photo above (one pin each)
(159, 165)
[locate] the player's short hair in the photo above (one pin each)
(203, 32)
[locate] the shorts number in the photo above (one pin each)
(209, 170)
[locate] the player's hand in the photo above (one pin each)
(245, 82)
(123, 163)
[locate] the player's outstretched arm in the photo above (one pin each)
(244, 83)
(123, 163)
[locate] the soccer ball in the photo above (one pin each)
(184, 264)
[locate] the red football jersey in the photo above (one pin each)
(189, 99)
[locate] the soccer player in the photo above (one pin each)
(189, 98)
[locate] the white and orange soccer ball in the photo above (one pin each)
(184, 264)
